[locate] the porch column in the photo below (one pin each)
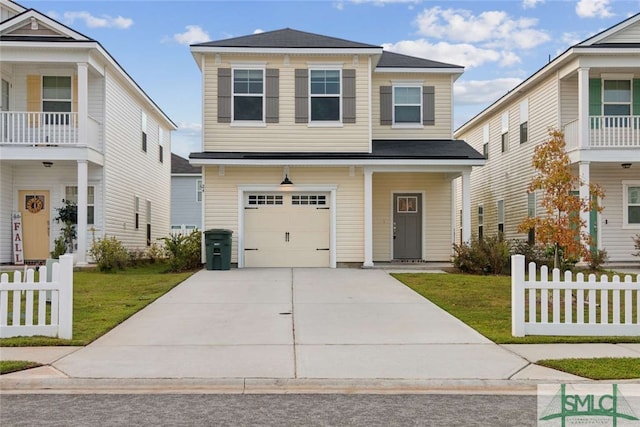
(83, 103)
(583, 171)
(466, 206)
(583, 108)
(368, 219)
(83, 182)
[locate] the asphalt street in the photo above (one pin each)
(267, 410)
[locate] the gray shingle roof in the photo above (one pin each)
(287, 38)
(181, 165)
(441, 149)
(396, 60)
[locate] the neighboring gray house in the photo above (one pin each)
(186, 195)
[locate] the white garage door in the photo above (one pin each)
(287, 230)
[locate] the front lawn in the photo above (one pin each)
(8, 366)
(101, 301)
(484, 303)
(604, 368)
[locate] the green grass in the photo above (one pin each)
(484, 303)
(605, 368)
(8, 366)
(101, 301)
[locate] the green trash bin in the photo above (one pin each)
(217, 243)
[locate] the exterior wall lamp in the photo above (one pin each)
(286, 180)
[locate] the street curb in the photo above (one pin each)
(264, 386)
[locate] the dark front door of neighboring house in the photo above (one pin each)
(407, 226)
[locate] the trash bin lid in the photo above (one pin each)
(218, 231)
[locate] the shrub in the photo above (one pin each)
(59, 247)
(184, 251)
(595, 259)
(109, 253)
(636, 244)
(489, 255)
(539, 254)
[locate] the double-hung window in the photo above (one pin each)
(500, 206)
(325, 90)
(504, 137)
(480, 222)
(407, 105)
(524, 121)
(531, 213)
(617, 102)
(248, 95)
(631, 206)
(56, 99)
(71, 194)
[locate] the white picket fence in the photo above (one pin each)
(572, 307)
(28, 314)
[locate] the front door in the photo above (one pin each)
(34, 207)
(407, 226)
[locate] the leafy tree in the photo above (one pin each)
(561, 225)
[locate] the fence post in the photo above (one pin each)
(65, 305)
(517, 295)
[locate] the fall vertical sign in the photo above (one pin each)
(16, 234)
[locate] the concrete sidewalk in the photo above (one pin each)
(299, 325)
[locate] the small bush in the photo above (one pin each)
(156, 253)
(532, 253)
(489, 255)
(636, 244)
(184, 251)
(109, 253)
(59, 247)
(596, 258)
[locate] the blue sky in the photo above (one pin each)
(499, 43)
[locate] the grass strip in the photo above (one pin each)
(8, 366)
(602, 368)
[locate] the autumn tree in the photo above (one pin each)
(561, 224)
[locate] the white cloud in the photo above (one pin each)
(103, 21)
(464, 54)
(594, 9)
(193, 34)
(187, 139)
(383, 2)
(531, 4)
(492, 28)
(258, 31)
(483, 92)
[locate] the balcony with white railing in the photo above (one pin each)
(609, 132)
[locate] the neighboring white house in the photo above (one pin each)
(186, 195)
(592, 93)
(74, 125)
(319, 151)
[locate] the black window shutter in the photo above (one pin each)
(386, 105)
(302, 95)
(428, 106)
(272, 95)
(224, 95)
(349, 96)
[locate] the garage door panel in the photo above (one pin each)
(288, 235)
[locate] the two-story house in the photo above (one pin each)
(75, 126)
(592, 93)
(186, 196)
(319, 151)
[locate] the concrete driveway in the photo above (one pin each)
(292, 323)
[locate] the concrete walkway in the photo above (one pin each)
(299, 324)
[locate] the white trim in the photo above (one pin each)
(411, 125)
(451, 165)
(16, 21)
(290, 51)
(325, 65)
(253, 65)
(611, 30)
(625, 204)
(275, 188)
(263, 95)
(368, 218)
(370, 106)
(325, 123)
(408, 83)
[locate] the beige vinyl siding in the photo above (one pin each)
(569, 100)
(286, 135)
(628, 35)
(506, 176)
(613, 237)
(443, 107)
(6, 197)
(221, 201)
(96, 107)
(130, 172)
(437, 202)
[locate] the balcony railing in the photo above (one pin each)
(33, 128)
(606, 132)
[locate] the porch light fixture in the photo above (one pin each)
(626, 165)
(47, 164)
(286, 180)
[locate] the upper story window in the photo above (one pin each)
(143, 130)
(485, 141)
(407, 104)
(56, 98)
(524, 121)
(248, 95)
(325, 95)
(617, 97)
(504, 137)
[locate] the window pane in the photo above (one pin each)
(407, 95)
(247, 81)
(617, 91)
(634, 195)
(325, 82)
(617, 109)
(327, 109)
(56, 87)
(247, 108)
(56, 106)
(634, 215)
(90, 215)
(407, 114)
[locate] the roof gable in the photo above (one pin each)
(180, 165)
(288, 38)
(32, 25)
(627, 31)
